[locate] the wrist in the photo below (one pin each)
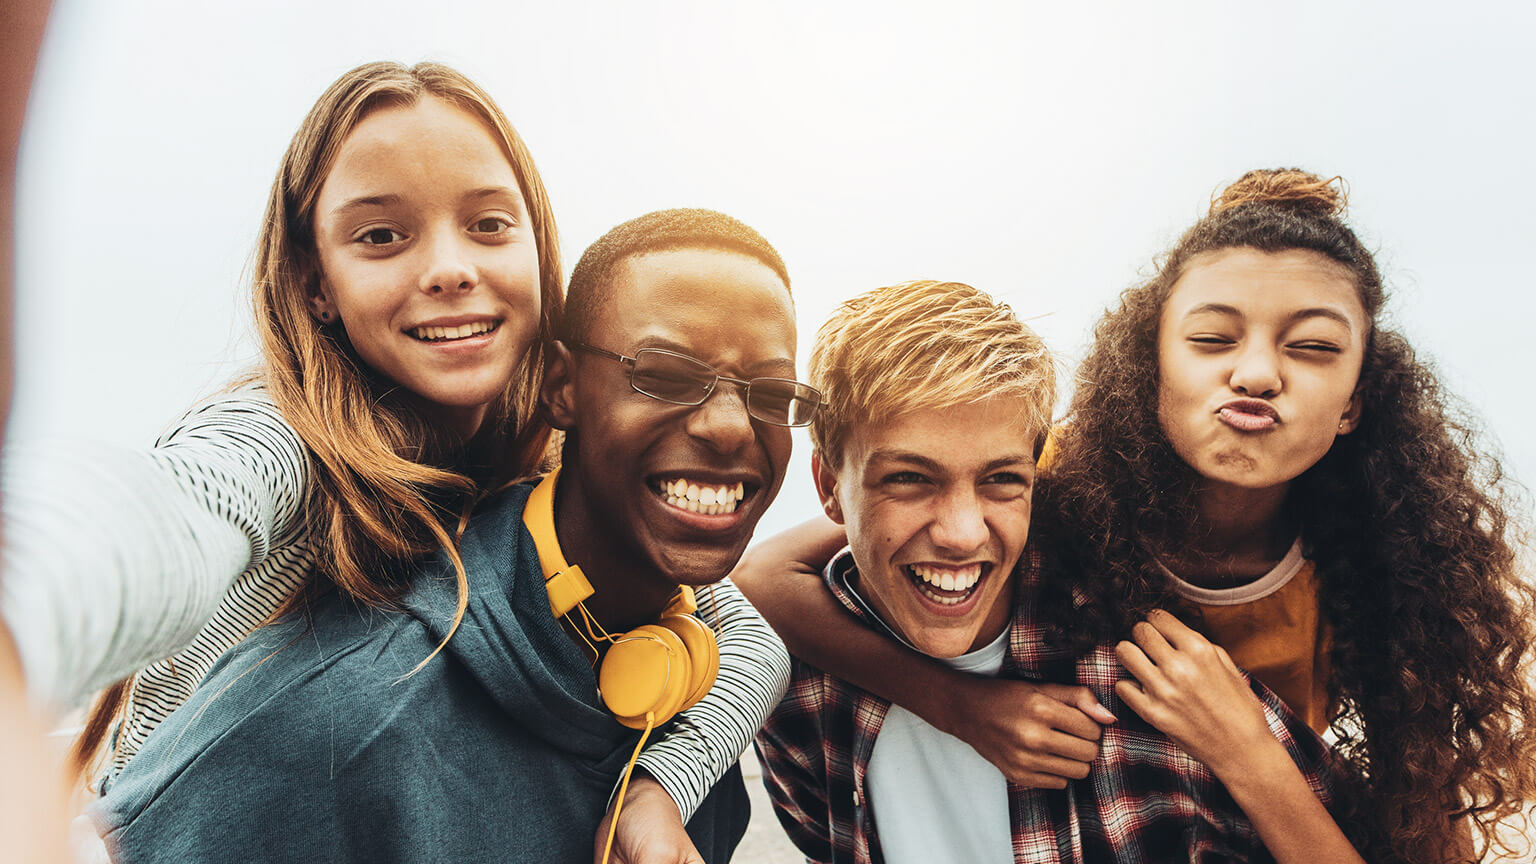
(1251, 765)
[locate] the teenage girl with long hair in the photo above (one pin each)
(1251, 447)
(407, 276)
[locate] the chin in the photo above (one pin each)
(700, 569)
(945, 645)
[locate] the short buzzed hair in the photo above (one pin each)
(660, 231)
(923, 345)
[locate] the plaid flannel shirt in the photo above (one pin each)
(1144, 799)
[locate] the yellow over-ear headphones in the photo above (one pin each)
(651, 672)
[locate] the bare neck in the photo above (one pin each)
(626, 592)
(1242, 534)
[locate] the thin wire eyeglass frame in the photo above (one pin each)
(804, 393)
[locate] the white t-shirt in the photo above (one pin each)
(934, 798)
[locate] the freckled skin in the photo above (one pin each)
(942, 486)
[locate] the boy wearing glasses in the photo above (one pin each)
(319, 737)
(937, 404)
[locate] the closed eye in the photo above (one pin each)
(1209, 339)
(1325, 347)
(1005, 478)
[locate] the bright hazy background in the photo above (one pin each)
(1045, 153)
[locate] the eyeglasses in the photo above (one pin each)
(683, 380)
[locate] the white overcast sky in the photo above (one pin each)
(1042, 152)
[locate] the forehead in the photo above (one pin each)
(960, 438)
(417, 149)
(1262, 285)
(719, 305)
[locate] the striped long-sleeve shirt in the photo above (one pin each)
(120, 561)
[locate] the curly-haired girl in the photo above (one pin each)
(1252, 448)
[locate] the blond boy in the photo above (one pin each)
(937, 402)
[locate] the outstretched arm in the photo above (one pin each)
(1190, 690)
(1038, 735)
(31, 795)
(118, 557)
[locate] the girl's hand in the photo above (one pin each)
(1191, 691)
(1039, 735)
(650, 828)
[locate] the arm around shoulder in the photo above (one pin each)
(707, 739)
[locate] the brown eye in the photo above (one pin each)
(491, 225)
(380, 236)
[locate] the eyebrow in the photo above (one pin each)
(365, 201)
(392, 200)
(892, 454)
(1327, 312)
(778, 364)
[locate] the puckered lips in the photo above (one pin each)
(458, 329)
(705, 500)
(949, 589)
(1249, 415)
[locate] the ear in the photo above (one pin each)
(558, 392)
(1351, 419)
(826, 488)
(321, 306)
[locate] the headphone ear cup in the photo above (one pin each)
(703, 654)
(645, 672)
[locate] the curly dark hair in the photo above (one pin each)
(1408, 522)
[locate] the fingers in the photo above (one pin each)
(1081, 698)
(1176, 632)
(1152, 641)
(1138, 664)
(1051, 770)
(1136, 699)
(1050, 709)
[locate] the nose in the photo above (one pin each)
(722, 421)
(959, 526)
(1256, 372)
(448, 264)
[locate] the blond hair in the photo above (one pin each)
(923, 345)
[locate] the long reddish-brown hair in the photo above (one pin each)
(388, 485)
(1410, 521)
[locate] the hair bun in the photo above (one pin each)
(1286, 188)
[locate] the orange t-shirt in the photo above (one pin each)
(1273, 628)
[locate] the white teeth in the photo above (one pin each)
(947, 579)
(434, 334)
(708, 500)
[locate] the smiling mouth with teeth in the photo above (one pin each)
(945, 586)
(707, 500)
(448, 334)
